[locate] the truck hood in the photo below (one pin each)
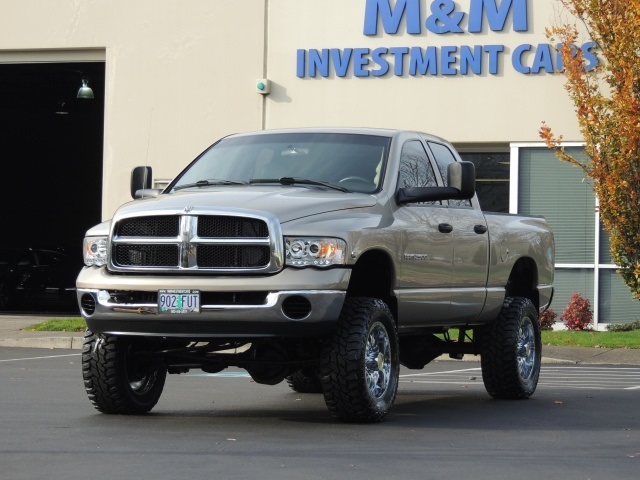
(287, 203)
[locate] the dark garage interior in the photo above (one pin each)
(51, 145)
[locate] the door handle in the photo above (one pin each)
(480, 229)
(445, 228)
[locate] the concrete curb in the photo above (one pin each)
(73, 343)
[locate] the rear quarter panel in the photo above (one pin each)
(513, 237)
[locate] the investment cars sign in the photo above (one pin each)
(439, 17)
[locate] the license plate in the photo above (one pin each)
(179, 301)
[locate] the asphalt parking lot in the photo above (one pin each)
(582, 423)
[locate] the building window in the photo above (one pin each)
(559, 192)
(492, 179)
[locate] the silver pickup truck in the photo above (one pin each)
(326, 257)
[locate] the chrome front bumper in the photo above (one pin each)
(274, 317)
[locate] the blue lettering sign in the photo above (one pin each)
(444, 18)
(361, 60)
(398, 58)
(301, 62)
(494, 52)
(497, 16)
(543, 59)
(377, 56)
(341, 62)
(516, 58)
(471, 59)
(319, 62)
(375, 9)
(589, 55)
(423, 64)
(448, 60)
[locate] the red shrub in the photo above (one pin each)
(577, 315)
(547, 319)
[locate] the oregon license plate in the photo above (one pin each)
(179, 301)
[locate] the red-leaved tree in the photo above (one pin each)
(607, 104)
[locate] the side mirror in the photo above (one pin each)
(462, 177)
(140, 179)
(461, 186)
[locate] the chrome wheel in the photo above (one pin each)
(378, 361)
(117, 378)
(360, 367)
(526, 349)
(511, 350)
(141, 375)
(143, 384)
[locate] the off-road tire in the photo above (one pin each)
(360, 365)
(512, 351)
(113, 381)
(305, 380)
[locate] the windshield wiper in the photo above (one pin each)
(206, 183)
(299, 181)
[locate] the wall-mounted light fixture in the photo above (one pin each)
(85, 91)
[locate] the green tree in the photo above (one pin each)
(607, 105)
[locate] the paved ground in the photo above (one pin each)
(13, 333)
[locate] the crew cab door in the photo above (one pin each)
(425, 252)
(470, 239)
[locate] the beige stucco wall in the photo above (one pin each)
(180, 74)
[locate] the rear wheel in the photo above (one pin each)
(512, 351)
(305, 380)
(117, 379)
(360, 367)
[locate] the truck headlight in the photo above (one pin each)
(315, 252)
(94, 251)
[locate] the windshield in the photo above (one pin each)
(350, 161)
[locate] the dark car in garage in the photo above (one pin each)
(34, 278)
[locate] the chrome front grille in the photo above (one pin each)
(156, 226)
(197, 242)
(231, 227)
(126, 255)
(220, 256)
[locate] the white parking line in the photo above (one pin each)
(577, 378)
(440, 373)
(40, 358)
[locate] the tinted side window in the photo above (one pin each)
(444, 157)
(415, 168)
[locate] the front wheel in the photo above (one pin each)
(361, 365)
(512, 351)
(118, 378)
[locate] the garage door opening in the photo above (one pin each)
(51, 143)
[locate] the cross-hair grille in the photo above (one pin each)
(155, 227)
(127, 255)
(231, 227)
(190, 243)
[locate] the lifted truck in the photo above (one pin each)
(326, 257)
